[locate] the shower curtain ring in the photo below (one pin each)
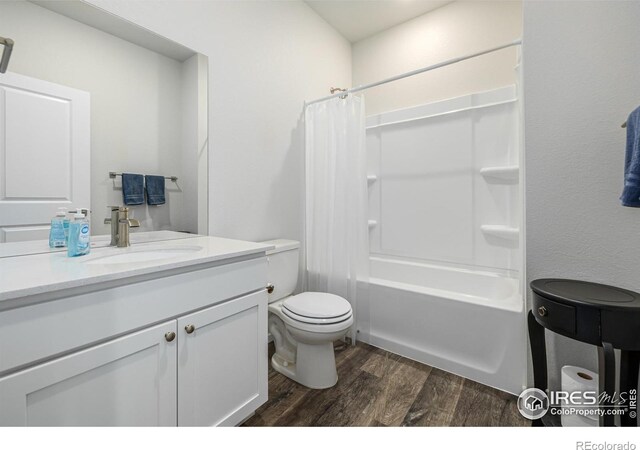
(333, 90)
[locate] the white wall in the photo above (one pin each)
(454, 30)
(581, 65)
(265, 58)
(135, 125)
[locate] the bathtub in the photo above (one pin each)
(467, 322)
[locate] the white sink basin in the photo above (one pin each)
(145, 255)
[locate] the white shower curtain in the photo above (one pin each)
(336, 222)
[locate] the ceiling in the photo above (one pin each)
(359, 19)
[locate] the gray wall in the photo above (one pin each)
(581, 68)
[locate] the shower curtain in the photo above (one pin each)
(336, 221)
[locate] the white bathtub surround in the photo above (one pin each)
(446, 187)
(444, 209)
(337, 237)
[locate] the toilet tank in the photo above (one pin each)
(283, 267)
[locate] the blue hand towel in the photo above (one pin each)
(133, 188)
(631, 193)
(155, 189)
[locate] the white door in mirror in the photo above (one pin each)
(45, 143)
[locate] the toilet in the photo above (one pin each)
(303, 326)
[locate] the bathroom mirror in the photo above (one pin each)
(87, 93)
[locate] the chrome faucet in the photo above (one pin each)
(124, 223)
(120, 224)
(113, 220)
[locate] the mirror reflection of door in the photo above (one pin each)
(148, 115)
(45, 154)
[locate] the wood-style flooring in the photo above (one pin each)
(378, 388)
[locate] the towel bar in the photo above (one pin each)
(114, 174)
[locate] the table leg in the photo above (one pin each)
(607, 380)
(629, 365)
(538, 356)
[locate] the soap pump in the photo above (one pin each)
(56, 232)
(79, 236)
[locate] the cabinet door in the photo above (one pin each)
(222, 363)
(129, 381)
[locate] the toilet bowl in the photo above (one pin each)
(303, 326)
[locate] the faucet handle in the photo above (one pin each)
(133, 223)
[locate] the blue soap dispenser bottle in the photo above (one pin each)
(56, 232)
(65, 223)
(79, 236)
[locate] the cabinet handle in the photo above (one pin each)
(542, 311)
(170, 336)
(189, 329)
(270, 288)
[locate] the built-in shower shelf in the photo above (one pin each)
(501, 173)
(373, 223)
(371, 178)
(501, 231)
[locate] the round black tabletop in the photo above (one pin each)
(588, 312)
(586, 293)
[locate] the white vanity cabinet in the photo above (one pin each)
(129, 381)
(185, 347)
(222, 362)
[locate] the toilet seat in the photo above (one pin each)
(314, 320)
(317, 308)
(321, 328)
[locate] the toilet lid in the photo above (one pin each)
(317, 305)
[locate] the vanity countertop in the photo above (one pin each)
(23, 248)
(39, 273)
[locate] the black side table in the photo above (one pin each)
(601, 315)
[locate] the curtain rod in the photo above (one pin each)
(415, 72)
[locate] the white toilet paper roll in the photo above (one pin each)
(579, 379)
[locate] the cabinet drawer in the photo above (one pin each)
(555, 316)
(44, 330)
